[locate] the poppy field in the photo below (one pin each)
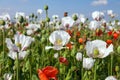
(69, 48)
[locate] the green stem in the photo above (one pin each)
(17, 78)
(3, 51)
(46, 13)
(95, 70)
(30, 67)
(108, 68)
(111, 66)
(82, 69)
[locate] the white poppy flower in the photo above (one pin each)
(94, 25)
(110, 28)
(110, 13)
(58, 38)
(31, 28)
(96, 15)
(118, 23)
(55, 16)
(110, 78)
(82, 18)
(97, 48)
(7, 76)
(5, 17)
(39, 11)
(88, 63)
(21, 43)
(79, 56)
(18, 14)
(67, 22)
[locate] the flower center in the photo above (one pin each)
(95, 52)
(18, 45)
(58, 42)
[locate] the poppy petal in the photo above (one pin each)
(50, 72)
(41, 75)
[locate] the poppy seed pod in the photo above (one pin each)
(47, 19)
(95, 52)
(118, 49)
(21, 19)
(75, 17)
(2, 22)
(116, 68)
(32, 15)
(46, 7)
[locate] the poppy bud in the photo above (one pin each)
(115, 35)
(116, 68)
(81, 47)
(118, 49)
(2, 22)
(75, 17)
(80, 40)
(43, 40)
(47, 19)
(32, 15)
(21, 19)
(46, 7)
(109, 42)
(89, 72)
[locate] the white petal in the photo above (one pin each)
(110, 78)
(48, 47)
(28, 40)
(88, 63)
(67, 20)
(8, 76)
(22, 54)
(89, 48)
(12, 55)
(108, 51)
(10, 45)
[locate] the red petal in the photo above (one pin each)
(50, 72)
(41, 75)
(63, 60)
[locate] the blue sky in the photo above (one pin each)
(59, 6)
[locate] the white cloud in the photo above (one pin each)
(99, 2)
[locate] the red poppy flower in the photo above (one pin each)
(99, 32)
(81, 40)
(78, 34)
(115, 35)
(109, 41)
(110, 33)
(63, 60)
(69, 46)
(69, 32)
(48, 73)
